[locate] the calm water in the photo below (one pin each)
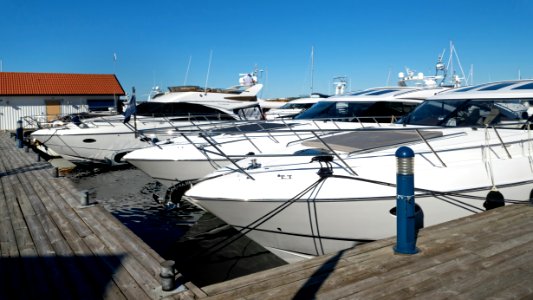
(187, 235)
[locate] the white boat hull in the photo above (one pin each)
(171, 172)
(102, 147)
(340, 212)
(180, 160)
(106, 142)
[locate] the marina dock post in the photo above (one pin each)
(19, 134)
(405, 202)
(85, 198)
(167, 275)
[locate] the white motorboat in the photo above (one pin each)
(473, 149)
(296, 106)
(293, 107)
(107, 140)
(191, 157)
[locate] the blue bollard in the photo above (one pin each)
(405, 202)
(19, 134)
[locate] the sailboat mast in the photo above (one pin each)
(312, 67)
(208, 69)
(187, 73)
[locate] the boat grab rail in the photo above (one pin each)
(224, 155)
(336, 155)
(430, 148)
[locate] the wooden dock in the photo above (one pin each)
(52, 247)
(484, 256)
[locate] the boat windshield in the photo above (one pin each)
(379, 110)
(296, 105)
(468, 112)
(179, 109)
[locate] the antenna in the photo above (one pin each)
(470, 76)
(114, 74)
(208, 69)
(312, 66)
(458, 60)
(440, 66)
(265, 82)
(114, 62)
(187, 72)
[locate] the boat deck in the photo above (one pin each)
(485, 256)
(52, 247)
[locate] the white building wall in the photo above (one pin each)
(13, 108)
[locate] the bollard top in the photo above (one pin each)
(168, 264)
(405, 152)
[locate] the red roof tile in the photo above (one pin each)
(14, 83)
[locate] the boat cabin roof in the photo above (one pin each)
(493, 90)
(416, 94)
(194, 88)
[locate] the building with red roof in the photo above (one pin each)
(46, 96)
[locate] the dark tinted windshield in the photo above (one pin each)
(381, 110)
(468, 112)
(296, 105)
(158, 109)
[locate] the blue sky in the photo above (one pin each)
(363, 40)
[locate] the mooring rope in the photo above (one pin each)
(442, 196)
(261, 220)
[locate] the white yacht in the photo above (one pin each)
(191, 157)
(107, 140)
(473, 150)
(294, 107)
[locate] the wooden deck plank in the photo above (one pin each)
(26, 266)
(8, 243)
(475, 253)
(480, 276)
(80, 274)
(112, 263)
(521, 289)
(55, 243)
(304, 268)
(143, 277)
(4, 213)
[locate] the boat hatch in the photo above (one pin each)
(366, 140)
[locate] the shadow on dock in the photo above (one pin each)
(315, 281)
(26, 168)
(88, 277)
